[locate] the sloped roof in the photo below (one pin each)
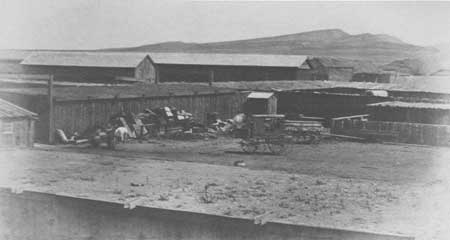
(9, 110)
(333, 62)
(423, 105)
(294, 85)
(402, 85)
(262, 60)
(260, 95)
(85, 59)
(128, 59)
(441, 72)
(67, 93)
(17, 55)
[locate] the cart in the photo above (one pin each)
(305, 132)
(265, 131)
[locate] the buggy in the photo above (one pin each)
(274, 133)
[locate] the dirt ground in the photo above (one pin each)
(373, 187)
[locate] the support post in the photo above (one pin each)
(51, 122)
(211, 77)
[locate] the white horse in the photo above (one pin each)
(121, 133)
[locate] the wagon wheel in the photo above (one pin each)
(249, 147)
(276, 147)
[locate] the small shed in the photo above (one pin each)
(16, 125)
(261, 103)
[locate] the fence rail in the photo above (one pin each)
(414, 133)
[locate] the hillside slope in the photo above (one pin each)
(378, 48)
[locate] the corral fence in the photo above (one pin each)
(413, 133)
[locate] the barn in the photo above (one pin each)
(77, 109)
(160, 67)
(16, 125)
(214, 67)
(91, 66)
(333, 69)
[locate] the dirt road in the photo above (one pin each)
(344, 185)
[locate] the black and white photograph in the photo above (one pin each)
(224, 120)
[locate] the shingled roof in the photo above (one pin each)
(85, 59)
(9, 110)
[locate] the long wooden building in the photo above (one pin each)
(165, 67)
(91, 66)
(76, 109)
(214, 67)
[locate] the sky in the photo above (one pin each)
(93, 24)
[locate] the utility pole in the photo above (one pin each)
(51, 122)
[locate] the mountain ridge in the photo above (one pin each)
(379, 48)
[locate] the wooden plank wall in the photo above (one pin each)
(414, 115)
(78, 116)
(414, 133)
(22, 133)
(324, 105)
(197, 73)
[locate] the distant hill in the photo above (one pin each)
(377, 48)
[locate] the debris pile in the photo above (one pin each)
(161, 122)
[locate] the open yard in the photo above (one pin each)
(374, 187)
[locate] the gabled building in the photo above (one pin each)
(332, 69)
(164, 67)
(92, 66)
(214, 67)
